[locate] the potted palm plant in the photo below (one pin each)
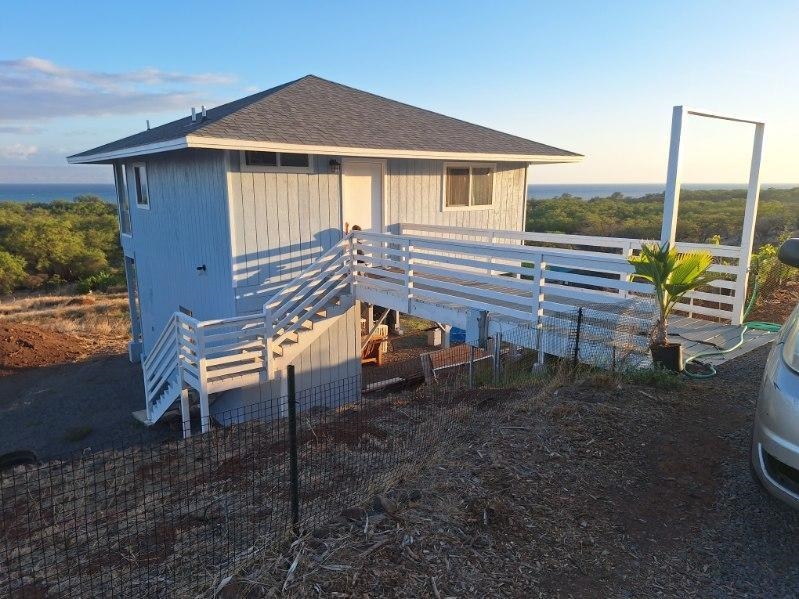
(673, 275)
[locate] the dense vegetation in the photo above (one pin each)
(710, 215)
(52, 244)
(48, 245)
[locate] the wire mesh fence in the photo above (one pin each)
(173, 519)
(176, 517)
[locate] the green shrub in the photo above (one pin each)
(58, 242)
(12, 271)
(101, 281)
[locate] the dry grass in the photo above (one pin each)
(101, 322)
(160, 519)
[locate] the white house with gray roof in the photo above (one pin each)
(229, 218)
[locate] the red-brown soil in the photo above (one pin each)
(28, 346)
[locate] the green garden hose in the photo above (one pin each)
(771, 327)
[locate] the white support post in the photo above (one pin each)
(748, 231)
(269, 333)
(491, 240)
(628, 253)
(537, 308)
(283, 385)
(205, 412)
(671, 204)
(447, 330)
(351, 252)
(397, 324)
(409, 276)
(185, 413)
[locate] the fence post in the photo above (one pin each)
(294, 481)
(576, 356)
(471, 366)
(497, 356)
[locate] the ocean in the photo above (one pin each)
(48, 192)
(39, 192)
(631, 190)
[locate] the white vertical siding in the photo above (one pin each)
(330, 359)
(282, 222)
(186, 226)
(414, 194)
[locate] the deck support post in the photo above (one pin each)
(748, 231)
(397, 325)
(205, 412)
(671, 204)
(409, 276)
(538, 310)
(370, 317)
(447, 330)
(185, 413)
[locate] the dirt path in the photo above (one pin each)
(590, 490)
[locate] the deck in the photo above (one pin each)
(698, 336)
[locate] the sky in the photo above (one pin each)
(598, 78)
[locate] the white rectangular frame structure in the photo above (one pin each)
(671, 204)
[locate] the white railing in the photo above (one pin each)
(511, 275)
(516, 282)
(174, 352)
(723, 298)
(312, 290)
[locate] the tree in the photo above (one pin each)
(12, 271)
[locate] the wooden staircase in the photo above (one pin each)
(213, 356)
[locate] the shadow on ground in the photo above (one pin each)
(70, 407)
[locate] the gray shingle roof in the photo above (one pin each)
(315, 112)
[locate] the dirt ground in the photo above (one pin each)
(776, 304)
(47, 330)
(65, 379)
(590, 489)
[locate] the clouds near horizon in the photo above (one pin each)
(34, 88)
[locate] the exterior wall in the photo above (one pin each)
(186, 226)
(331, 358)
(281, 222)
(414, 190)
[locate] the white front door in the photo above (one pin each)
(362, 195)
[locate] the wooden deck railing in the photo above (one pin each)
(723, 299)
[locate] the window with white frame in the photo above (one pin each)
(276, 160)
(140, 185)
(468, 185)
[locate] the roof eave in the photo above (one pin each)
(109, 156)
(216, 143)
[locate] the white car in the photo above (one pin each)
(775, 437)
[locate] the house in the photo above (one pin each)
(223, 214)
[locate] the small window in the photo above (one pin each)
(468, 186)
(140, 183)
(296, 160)
(276, 160)
(260, 158)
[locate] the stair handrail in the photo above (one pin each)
(313, 267)
(160, 364)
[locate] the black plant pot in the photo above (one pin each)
(668, 356)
